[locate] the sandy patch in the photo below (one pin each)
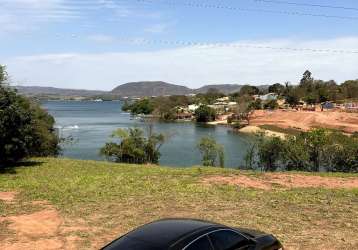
(269, 180)
(7, 196)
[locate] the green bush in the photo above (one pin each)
(134, 147)
(26, 130)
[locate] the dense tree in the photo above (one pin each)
(143, 106)
(205, 114)
(26, 130)
(349, 89)
(212, 152)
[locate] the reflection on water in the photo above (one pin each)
(91, 124)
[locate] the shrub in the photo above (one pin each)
(212, 152)
(133, 147)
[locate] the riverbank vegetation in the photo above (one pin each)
(86, 204)
(314, 151)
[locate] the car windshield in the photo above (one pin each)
(201, 244)
(227, 240)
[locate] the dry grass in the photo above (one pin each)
(97, 201)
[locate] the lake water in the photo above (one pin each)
(91, 124)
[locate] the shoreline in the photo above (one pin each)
(251, 129)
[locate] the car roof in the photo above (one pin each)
(163, 233)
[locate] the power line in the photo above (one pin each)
(234, 45)
(232, 8)
(308, 4)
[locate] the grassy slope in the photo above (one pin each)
(112, 199)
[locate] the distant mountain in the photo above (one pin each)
(223, 88)
(36, 90)
(132, 89)
(150, 89)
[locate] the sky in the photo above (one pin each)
(100, 44)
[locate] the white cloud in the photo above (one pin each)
(157, 28)
(99, 38)
(119, 10)
(191, 66)
(25, 15)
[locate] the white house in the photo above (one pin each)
(193, 107)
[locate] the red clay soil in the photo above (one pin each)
(305, 120)
(40, 230)
(269, 180)
(7, 196)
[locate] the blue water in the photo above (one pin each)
(91, 124)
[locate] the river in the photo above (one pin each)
(91, 124)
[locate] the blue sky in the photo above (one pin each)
(98, 44)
